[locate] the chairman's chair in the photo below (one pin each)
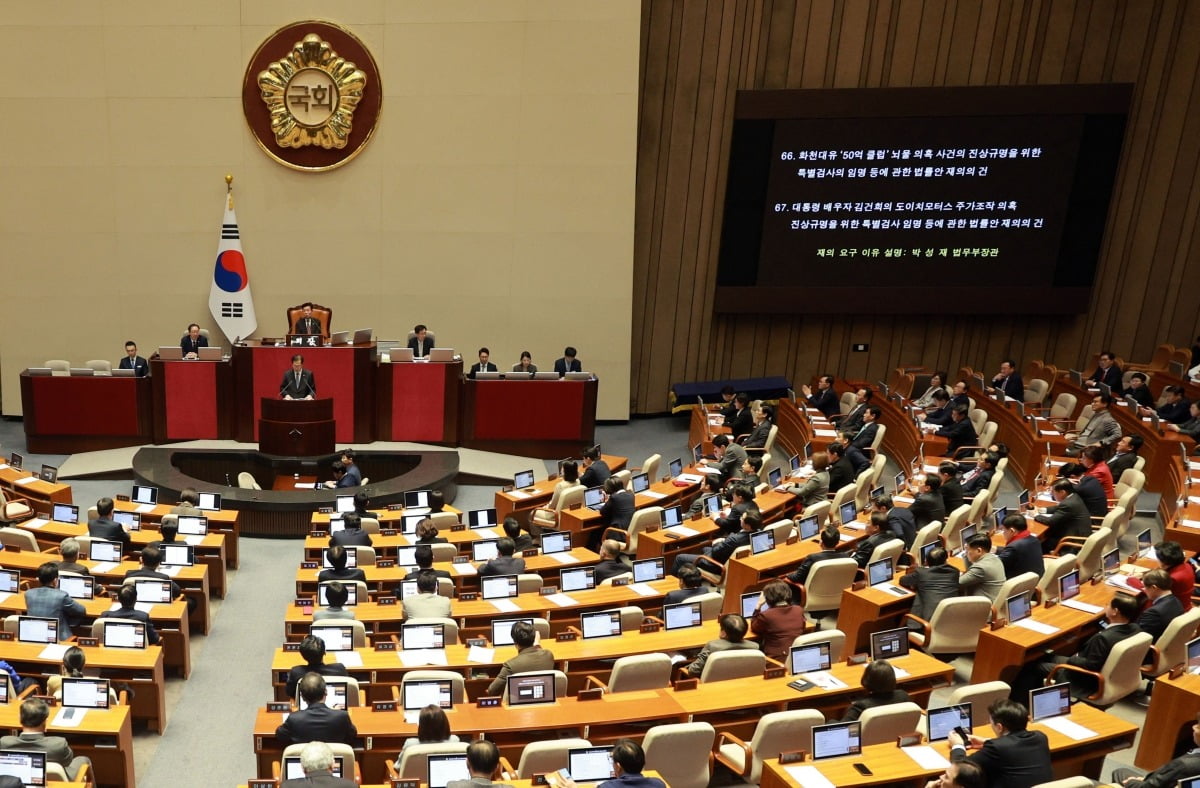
(100, 366)
(246, 481)
(323, 314)
(776, 732)
(681, 753)
(59, 366)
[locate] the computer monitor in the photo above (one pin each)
(672, 516)
(485, 549)
(130, 520)
(416, 499)
(577, 579)
(848, 512)
(639, 483)
(351, 559)
(408, 523)
(407, 588)
(775, 477)
(697, 453)
(323, 593)
(675, 467)
(593, 497)
(762, 541)
(1190, 782)
(335, 696)
(806, 452)
(523, 479)
(124, 634)
(556, 542)
(530, 688)
(179, 554)
(502, 630)
(1111, 561)
(499, 587)
(1019, 607)
(794, 462)
(712, 505)
(900, 480)
(944, 719)
(10, 581)
(15, 460)
(65, 513)
(926, 549)
(445, 769)
(1052, 701)
(811, 657)
(889, 643)
(998, 518)
(154, 592)
(337, 523)
(966, 534)
(809, 527)
(1023, 499)
(590, 764)
(647, 570)
(28, 766)
(1145, 541)
(876, 492)
(880, 572)
(1193, 656)
(600, 624)
(481, 518)
(78, 586)
(335, 636)
(143, 493)
(405, 556)
(836, 739)
(293, 770)
(343, 504)
(104, 550)
(49, 473)
(190, 525)
(422, 636)
(209, 502)
(81, 693)
(750, 603)
(682, 615)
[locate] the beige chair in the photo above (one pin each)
(726, 665)
(1139, 465)
(16, 538)
(779, 731)
(363, 555)
(341, 751)
(543, 757)
(681, 753)
(931, 532)
(1056, 567)
(560, 682)
(608, 581)
(1170, 648)
(359, 629)
(781, 530)
(632, 617)
(843, 495)
(876, 442)
(954, 627)
(710, 605)
(59, 366)
(636, 672)
(952, 530)
(650, 517)
(1090, 551)
(820, 510)
(878, 464)
(369, 525)
(1036, 391)
(835, 637)
(980, 696)
(14, 509)
(569, 498)
(997, 479)
(981, 508)
(99, 366)
(443, 520)
(1120, 675)
(892, 548)
(353, 695)
(449, 627)
(650, 467)
(846, 403)
(862, 490)
(826, 582)
(883, 724)
(1131, 478)
(1002, 465)
(978, 419)
(529, 583)
(458, 687)
(246, 481)
(1026, 581)
(624, 477)
(413, 763)
(1063, 407)
(444, 552)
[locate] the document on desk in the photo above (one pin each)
(689, 478)
(854, 525)
(415, 658)
(824, 680)
(1193, 465)
(1036, 626)
(809, 776)
(464, 569)
(710, 471)
(655, 494)
(27, 480)
(825, 433)
(103, 567)
(1047, 433)
(1190, 523)
(144, 508)
(193, 539)
(506, 605)
(520, 495)
(54, 651)
(145, 607)
(901, 673)
(351, 659)
(485, 656)
(485, 533)
(35, 523)
(562, 600)
(69, 717)
(682, 530)
(564, 558)
(1194, 499)
(926, 757)
(304, 485)
(4, 595)
(641, 589)
(1069, 728)
(1122, 582)
(929, 468)
(903, 499)
(1084, 606)
(171, 571)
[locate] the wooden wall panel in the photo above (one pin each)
(697, 55)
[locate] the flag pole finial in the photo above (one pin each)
(229, 181)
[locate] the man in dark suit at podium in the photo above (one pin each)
(192, 341)
(568, 363)
(307, 324)
(298, 382)
(133, 361)
(420, 344)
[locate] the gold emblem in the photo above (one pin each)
(311, 95)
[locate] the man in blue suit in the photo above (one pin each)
(568, 363)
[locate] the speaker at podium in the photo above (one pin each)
(296, 427)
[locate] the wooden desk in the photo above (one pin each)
(224, 522)
(105, 736)
(142, 669)
(67, 414)
(1173, 707)
(520, 503)
(1070, 757)
(194, 399)
(672, 541)
(871, 610)
(584, 520)
(42, 494)
(418, 401)
(535, 418)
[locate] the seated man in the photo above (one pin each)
(628, 762)
(483, 758)
(336, 596)
(522, 541)
(353, 472)
(189, 503)
(824, 399)
(1139, 390)
(483, 365)
(192, 341)
(933, 582)
(985, 572)
(1108, 373)
(503, 563)
(1016, 757)
(423, 555)
(866, 436)
(1162, 606)
(721, 550)
(1175, 409)
(306, 323)
(151, 560)
(312, 651)
(104, 527)
(858, 460)
(316, 759)
(568, 362)
(1101, 429)
(941, 413)
(352, 534)
(127, 597)
(951, 488)
(816, 488)
(900, 522)
(595, 469)
(691, 584)
(619, 504)
(34, 713)
(1166, 776)
(733, 638)
(830, 539)
(49, 601)
(852, 422)
(131, 360)
(1022, 551)
(1191, 427)
(1008, 382)
(959, 432)
(841, 471)
(743, 503)
(420, 344)
(964, 774)
(928, 505)
(979, 477)
(338, 558)
(427, 602)
(1069, 518)
(610, 561)
(69, 550)
(730, 458)
(318, 722)
(877, 534)
(1126, 455)
(742, 420)
(530, 656)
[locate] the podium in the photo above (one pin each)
(297, 427)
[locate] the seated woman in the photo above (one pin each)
(570, 478)
(433, 727)
(525, 364)
(427, 533)
(879, 680)
(936, 383)
(73, 662)
(777, 622)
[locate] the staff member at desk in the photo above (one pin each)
(420, 344)
(298, 382)
(530, 656)
(133, 361)
(525, 364)
(568, 363)
(307, 324)
(483, 365)
(192, 341)
(1016, 757)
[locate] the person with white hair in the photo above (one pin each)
(316, 759)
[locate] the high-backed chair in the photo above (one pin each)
(1035, 391)
(363, 555)
(782, 530)
(1056, 567)
(681, 753)
(1063, 407)
(369, 525)
(840, 497)
(892, 549)
(650, 517)
(323, 314)
(877, 467)
(59, 366)
(636, 672)
(1120, 675)
(835, 637)
(458, 687)
(777, 732)
(445, 520)
(980, 696)
(543, 757)
(246, 481)
(954, 627)
(1019, 584)
(997, 479)
(444, 552)
(624, 477)
(567, 499)
(826, 582)
(820, 510)
(710, 605)
(978, 418)
(981, 507)
(1170, 648)
(952, 530)
(340, 750)
(1089, 552)
(100, 366)
(882, 724)
(862, 489)
(18, 538)
(730, 664)
(650, 467)
(358, 628)
(353, 695)
(413, 763)
(449, 627)
(529, 583)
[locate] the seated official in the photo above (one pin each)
(750, 473)
(1108, 373)
(1190, 428)
(298, 382)
(139, 365)
(49, 601)
(728, 407)
(733, 638)
(168, 534)
(1125, 456)
(353, 472)
(1008, 382)
(318, 722)
(504, 563)
(979, 477)
(691, 583)
(852, 422)
(530, 656)
(1175, 409)
(312, 651)
(568, 362)
(336, 596)
(1101, 429)
(721, 550)
(876, 534)
(316, 759)
(824, 399)
(1162, 607)
(433, 727)
(362, 505)
(879, 680)
(483, 365)
(483, 758)
(858, 460)
(1069, 517)
(526, 364)
(104, 527)
(816, 488)
(933, 582)
(1022, 551)
(352, 534)
(1092, 460)
(743, 504)
(729, 457)
(900, 521)
(1168, 775)
(619, 504)
(34, 713)
(427, 602)
(1139, 390)
(764, 419)
(710, 485)
(985, 571)
(610, 564)
(1171, 559)
(777, 621)
(928, 505)
(337, 566)
(742, 420)
(940, 412)
(1016, 758)
(420, 344)
(959, 432)
(522, 541)
(151, 558)
(870, 428)
(423, 555)
(595, 469)
(628, 762)
(841, 470)
(427, 532)
(830, 539)
(192, 341)
(963, 774)
(189, 503)
(69, 550)
(306, 323)
(937, 382)
(127, 597)
(951, 488)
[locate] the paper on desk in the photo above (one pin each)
(481, 654)
(1045, 433)
(808, 776)
(1190, 523)
(655, 494)
(903, 499)
(3, 466)
(103, 567)
(193, 539)
(683, 530)
(1036, 626)
(35, 523)
(1193, 465)
(61, 720)
(1069, 728)
(825, 433)
(929, 468)
(54, 651)
(143, 508)
(463, 569)
(304, 485)
(145, 607)
(414, 658)
(1122, 582)
(171, 571)
(564, 558)
(854, 525)
(689, 478)
(562, 600)
(901, 673)
(824, 680)
(641, 589)
(4, 595)
(485, 533)
(1046, 497)
(1194, 499)
(506, 605)
(351, 659)
(1084, 606)
(1058, 463)
(27, 480)
(926, 757)
(709, 470)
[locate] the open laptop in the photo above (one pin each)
(675, 467)
(556, 542)
(422, 636)
(335, 696)
(485, 549)
(85, 693)
(639, 483)
(10, 581)
(848, 513)
(775, 478)
(323, 593)
(104, 550)
(15, 460)
(749, 603)
(65, 513)
(481, 518)
(1068, 585)
(697, 453)
(1019, 607)
(879, 575)
(889, 643)
(1145, 544)
(28, 766)
(836, 740)
(577, 579)
(335, 636)
(144, 494)
(672, 516)
(130, 520)
(523, 479)
(712, 505)
(344, 338)
(441, 354)
(78, 586)
(811, 657)
(926, 549)
(593, 497)
(343, 504)
(1110, 562)
(530, 688)
(49, 474)
(293, 770)
(191, 525)
(502, 630)
(445, 769)
(600, 624)
(762, 541)
(405, 556)
(408, 524)
(1052, 701)
(944, 719)
(481, 375)
(124, 634)
(1190, 782)
(414, 499)
(499, 587)
(178, 554)
(682, 615)
(590, 764)
(351, 559)
(153, 592)
(363, 335)
(647, 570)
(808, 527)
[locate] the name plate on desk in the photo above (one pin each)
(384, 705)
(282, 707)
(385, 645)
(857, 659)
(774, 672)
(460, 559)
(86, 642)
(325, 510)
(6, 635)
(403, 784)
(596, 693)
(533, 551)
(387, 532)
(686, 684)
(387, 563)
(386, 600)
(262, 784)
(304, 601)
(548, 590)
(649, 626)
(315, 534)
(794, 756)
(621, 581)
(468, 596)
(291, 646)
(308, 565)
(566, 637)
(395, 507)
(458, 527)
(477, 642)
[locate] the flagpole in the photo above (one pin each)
(229, 189)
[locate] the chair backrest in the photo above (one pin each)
(246, 481)
(414, 759)
(59, 366)
(930, 532)
(987, 435)
(862, 489)
(997, 479)
(1088, 557)
(21, 539)
(1122, 670)
(1018, 584)
(956, 623)
(10, 623)
(1171, 644)
(100, 365)
(880, 431)
(458, 687)
(979, 419)
(843, 495)
(642, 518)
(624, 477)
(878, 463)
(1085, 415)
(323, 314)
(952, 530)
(892, 549)
(570, 497)
(826, 582)
(543, 757)
(632, 617)
(680, 752)
(1001, 466)
(778, 732)
(980, 696)
(449, 631)
(444, 552)
(820, 510)
(782, 530)
(836, 638)
(1131, 479)
(608, 581)
(364, 555)
(359, 634)
(981, 507)
(882, 724)
(529, 583)
(1055, 568)
(1139, 465)
(445, 520)
(1116, 522)
(846, 403)
(1064, 406)
(710, 605)
(560, 681)
(725, 665)
(1035, 391)
(640, 672)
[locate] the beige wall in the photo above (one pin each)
(495, 202)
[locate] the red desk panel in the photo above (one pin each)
(542, 418)
(419, 401)
(192, 399)
(68, 414)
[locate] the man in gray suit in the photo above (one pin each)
(34, 712)
(427, 602)
(503, 563)
(316, 758)
(482, 759)
(733, 638)
(985, 570)
(49, 601)
(932, 583)
(530, 656)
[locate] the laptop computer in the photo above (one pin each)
(875, 492)
(49, 474)
(481, 518)
(530, 688)
(639, 483)
(646, 570)
(335, 636)
(1193, 656)
(408, 523)
(343, 504)
(556, 542)
(889, 643)
(1068, 585)
(941, 720)
(441, 354)
(407, 588)
(209, 502)
(323, 593)
(78, 586)
(1110, 562)
(335, 696)
(415, 499)
(1047, 702)
(130, 520)
(170, 352)
(344, 338)
(499, 587)
(590, 764)
(794, 463)
(593, 497)
(211, 353)
(836, 740)
(697, 453)
(810, 657)
(502, 630)
(10, 581)
(749, 603)
(1190, 782)
(775, 478)
(124, 634)
(363, 335)
(65, 513)
(445, 769)
(1023, 499)
(1145, 544)
(672, 516)
(600, 624)
(481, 375)
(405, 556)
(485, 549)
(143, 493)
(351, 559)
(523, 479)
(808, 527)
(1019, 607)
(179, 554)
(104, 550)
(577, 579)
(422, 636)
(154, 592)
(192, 525)
(925, 551)
(675, 467)
(28, 766)
(682, 615)
(712, 505)
(762, 541)
(85, 693)
(847, 513)
(880, 574)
